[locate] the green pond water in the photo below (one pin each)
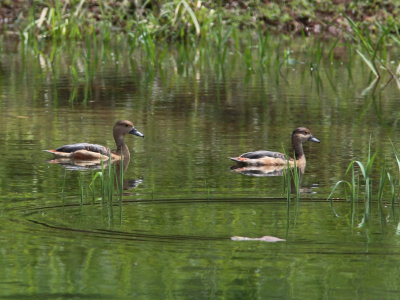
(170, 237)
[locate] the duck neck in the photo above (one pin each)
(122, 148)
(298, 148)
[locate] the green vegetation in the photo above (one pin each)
(104, 184)
(83, 30)
(292, 182)
(367, 177)
(187, 20)
(75, 39)
(292, 189)
(373, 48)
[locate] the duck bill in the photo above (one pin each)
(314, 139)
(134, 131)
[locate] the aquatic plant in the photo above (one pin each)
(111, 178)
(292, 182)
(92, 186)
(372, 47)
(355, 183)
(188, 20)
(361, 177)
(78, 64)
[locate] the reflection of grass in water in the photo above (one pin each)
(182, 22)
(360, 185)
(222, 53)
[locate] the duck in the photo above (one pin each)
(95, 152)
(270, 158)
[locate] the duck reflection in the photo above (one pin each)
(82, 165)
(79, 165)
(264, 171)
(269, 171)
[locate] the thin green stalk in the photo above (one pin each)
(81, 185)
(92, 184)
(287, 189)
(392, 184)
(63, 186)
(381, 186)
(110, 182)
(121, 179)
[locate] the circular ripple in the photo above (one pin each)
(163, 220)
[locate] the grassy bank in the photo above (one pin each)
(188, 20)
(83, 32)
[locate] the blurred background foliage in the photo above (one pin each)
(184, 19)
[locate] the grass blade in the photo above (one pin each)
(370, 65)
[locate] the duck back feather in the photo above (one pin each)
(84, 146)
(263, 153)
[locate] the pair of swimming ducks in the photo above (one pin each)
(86, 151)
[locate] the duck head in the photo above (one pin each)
(304, 134)
(124, 127)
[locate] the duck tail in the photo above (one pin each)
(49, 151)
(238, 159)
(58, 153)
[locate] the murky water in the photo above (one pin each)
(170, 236)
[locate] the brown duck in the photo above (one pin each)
(270, 158)
(87, 152)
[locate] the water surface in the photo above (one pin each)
(170, 236)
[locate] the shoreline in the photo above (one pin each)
(171, 21)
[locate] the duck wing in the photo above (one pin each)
(263, 153)
(84, 146)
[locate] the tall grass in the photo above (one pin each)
(108, 183)
(364, 178)
(292, 188)
(224, 29)
(182, 21)
(218, 48)
(292, 182)
(372, 48)
(76, 19)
